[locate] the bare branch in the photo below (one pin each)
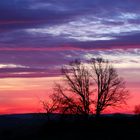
(111, 88)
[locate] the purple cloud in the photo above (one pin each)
(43, 35)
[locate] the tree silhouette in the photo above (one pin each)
(82, 81)
(111, 89)
(51, 106)
(75, 95)
(137, 110)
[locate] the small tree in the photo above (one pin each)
(137, 110)
(111, 89)
(51, 106)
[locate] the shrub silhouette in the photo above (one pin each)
(137, 110)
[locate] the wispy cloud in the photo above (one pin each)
(92, 28)
(48, 64)
(119, 57)
(12, 66)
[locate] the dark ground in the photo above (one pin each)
(36, 127)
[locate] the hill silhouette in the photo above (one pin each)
(36, 126)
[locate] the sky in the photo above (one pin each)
(37, 37)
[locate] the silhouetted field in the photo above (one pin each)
(69, 127)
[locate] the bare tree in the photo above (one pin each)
(137, 110)
(111, 89)
(52, 105)
(74, 95)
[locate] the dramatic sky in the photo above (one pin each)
(37, 37)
